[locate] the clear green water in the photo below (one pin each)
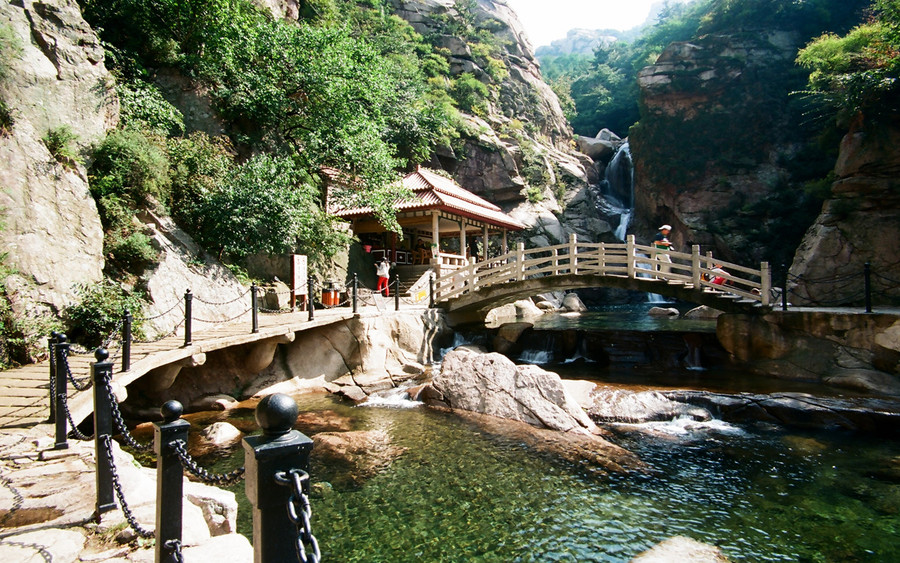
(458, 494)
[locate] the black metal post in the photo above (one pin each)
(61, 392)
(51, 348)
(397, 294)
(278, 449)
(188, 298)
(311, 296)
(784, 281)
(126, 341)
(169, 479)
(867, 275)
(355, 294)
(254, 305)
(102, 376)
(431, 291)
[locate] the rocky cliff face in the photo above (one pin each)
(56, 78)
(858, 224)
(716, 143)
(520, 153)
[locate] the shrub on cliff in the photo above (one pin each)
(99, 312)
(131, 165)
(859, 71)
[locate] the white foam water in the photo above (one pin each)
(391, 399)
(687, 426)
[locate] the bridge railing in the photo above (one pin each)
(691, 270)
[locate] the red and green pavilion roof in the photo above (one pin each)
(431, 191)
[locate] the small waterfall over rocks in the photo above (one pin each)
(620, 187)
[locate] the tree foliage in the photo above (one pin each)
(859, 71)
(266, 205)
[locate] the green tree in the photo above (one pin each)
(859, 71)
(267, 205)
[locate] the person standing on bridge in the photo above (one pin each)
(661, 249)
(383, 271)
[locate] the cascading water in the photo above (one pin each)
(620, 187)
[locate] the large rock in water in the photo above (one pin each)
(492, 384)
(55, 78)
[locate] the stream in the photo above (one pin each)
(460, 493)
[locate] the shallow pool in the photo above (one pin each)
(459, 494)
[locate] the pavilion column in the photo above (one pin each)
(484, 238)
(462, 238)
(435, 234)
(503, 245)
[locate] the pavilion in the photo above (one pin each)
(438, 217)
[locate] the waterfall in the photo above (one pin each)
(620, 187)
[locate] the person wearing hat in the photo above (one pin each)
(383, 271)
(661, 248)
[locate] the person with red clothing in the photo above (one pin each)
(719, 278)
(383, 271)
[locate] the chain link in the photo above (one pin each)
(188, 462)
(116, 331)
(75, 432)
(175, 547)
(77, 384)
(132, 521)
(300, 512)
(217, 304)
(119, 421)
(172, 332)
(284, 311)
(223, 321)
(160, 315)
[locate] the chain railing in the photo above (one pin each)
(286, 461)
(188, 462)
(300, 514)
(852, 289)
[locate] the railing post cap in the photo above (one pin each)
(171, 411)
(101, 354)
(62, 338)
(276, 414)
(54, 334)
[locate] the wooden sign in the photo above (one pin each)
(299, 276)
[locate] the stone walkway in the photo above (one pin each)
(47, 500)
(24, 392)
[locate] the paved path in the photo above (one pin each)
(24, 392)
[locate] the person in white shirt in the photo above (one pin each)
(383, 271)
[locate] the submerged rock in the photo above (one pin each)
(492, 384)
(798, 410)
(680, 548)
(703, 312)
(573, 304)
(617, 405)
(353, 457)
(222, 434)
(663, 312)
(594, 451)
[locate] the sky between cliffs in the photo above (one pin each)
(546, 20)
